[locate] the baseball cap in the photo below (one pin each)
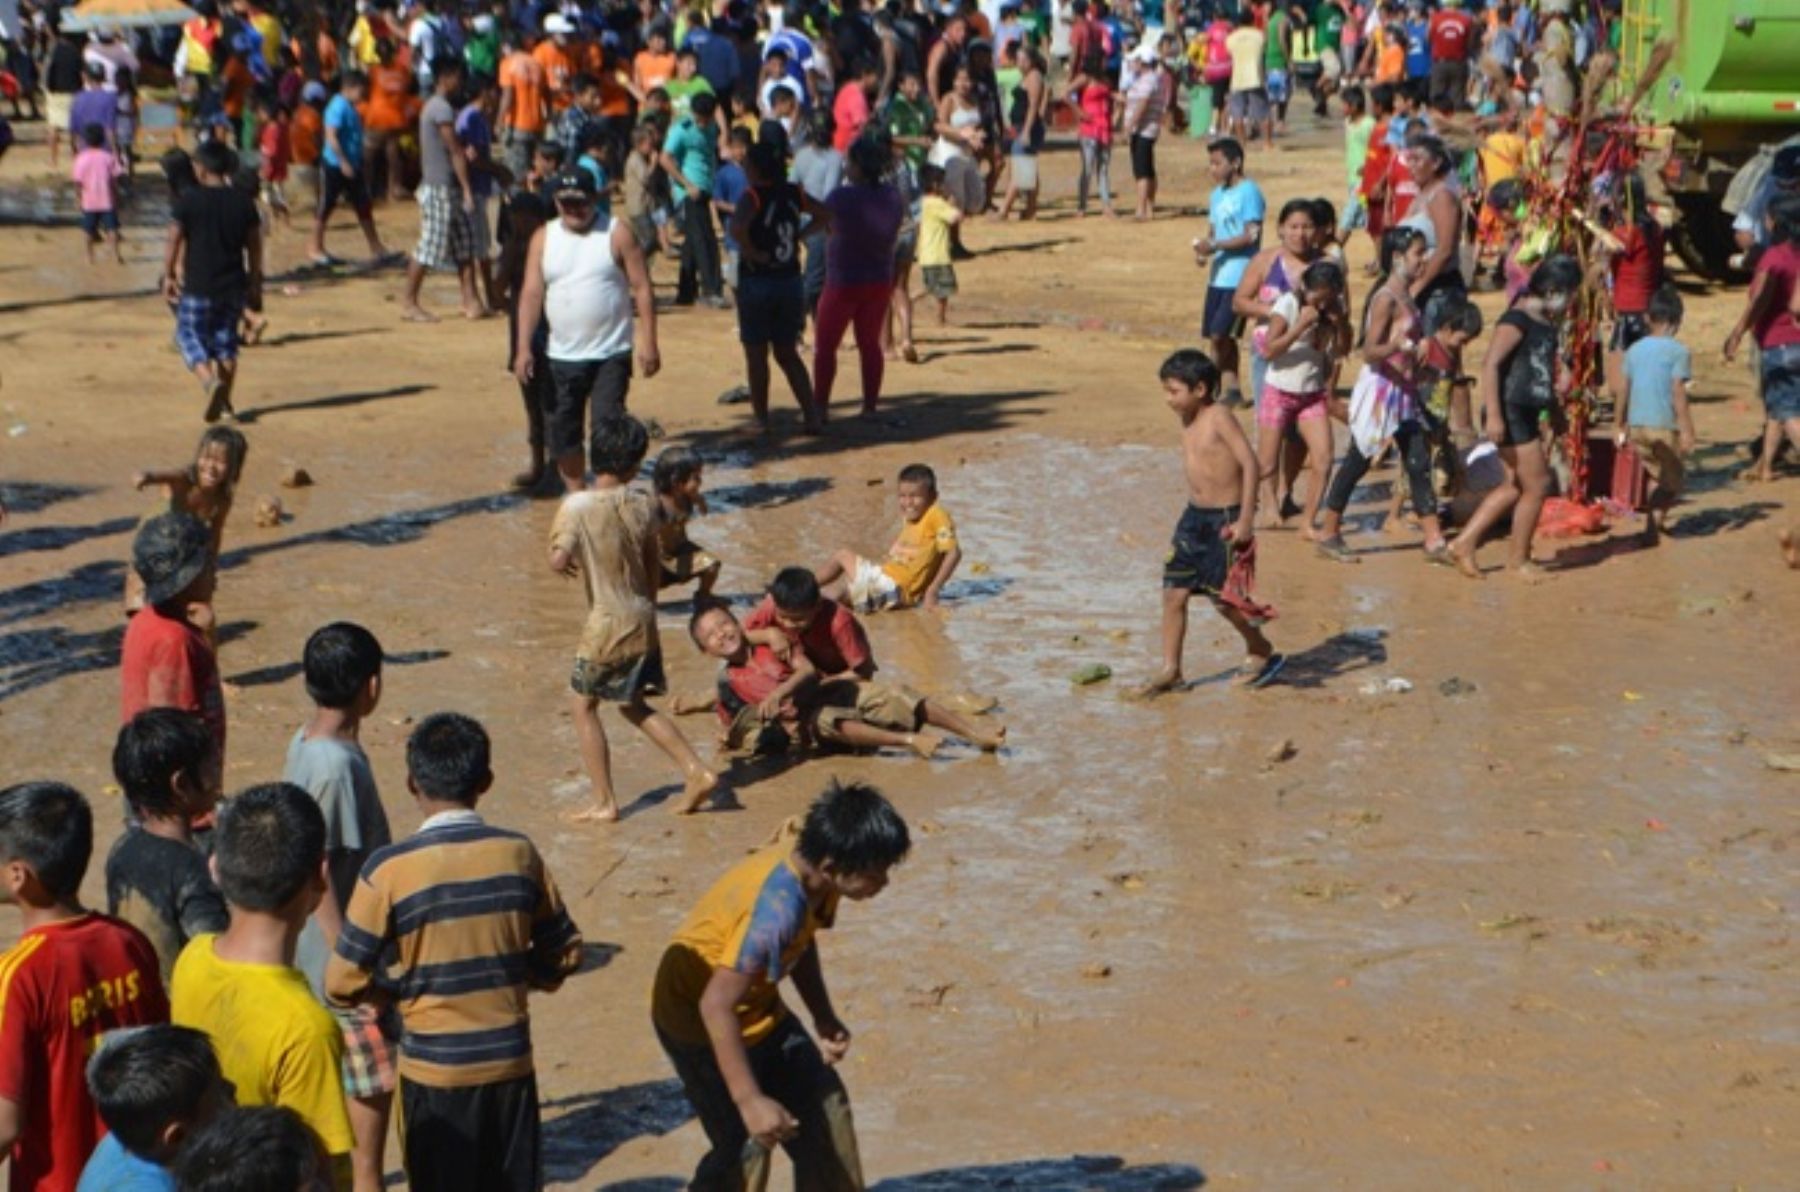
(573, 182)
(556, 22)
(169, 553)
(1146, 51)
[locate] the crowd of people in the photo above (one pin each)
(273, 967)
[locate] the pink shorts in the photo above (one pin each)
(1281, 409)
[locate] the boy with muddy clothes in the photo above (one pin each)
(1216, 525)
(756, 1078)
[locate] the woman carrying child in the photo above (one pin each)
(1309, 329)
(1270, 274)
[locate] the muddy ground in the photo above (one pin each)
(1536, 933)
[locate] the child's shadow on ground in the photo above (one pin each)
(581, 1130)
(1336, 656)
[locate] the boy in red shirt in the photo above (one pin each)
(73, 976)
(272, 144)
(166, 661)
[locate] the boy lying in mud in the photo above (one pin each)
(770, 704)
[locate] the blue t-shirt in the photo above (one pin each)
(729, 186)
(1652, 366)
(693, 149)
(472, 130)
(112, 1168)
(341, 118)
(1418, 49)
(1233, 209)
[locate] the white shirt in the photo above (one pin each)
(587, 298)
(1305, 366)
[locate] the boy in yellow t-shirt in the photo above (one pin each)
(750, 1069)
(276, 1043)
(919, 563)
(938, 218)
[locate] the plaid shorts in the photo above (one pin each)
(370, 1049)
(207, 328)
(446, 240)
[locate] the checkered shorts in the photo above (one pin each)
(370, 1049)
(207, 328)
(446, 240)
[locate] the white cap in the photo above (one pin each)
(483, 22)
(556, 22)
(1146, 51)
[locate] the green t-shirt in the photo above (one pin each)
(482, 53)
(1328, 19)
(682, 92)
(1275, 56)
(1357, 134)
(909, 119)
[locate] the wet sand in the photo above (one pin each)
(1532, 932)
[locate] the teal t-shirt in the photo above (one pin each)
(1652, 366)
(694, 151)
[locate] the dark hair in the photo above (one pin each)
(445, 66)
(154, 746)
(449, 758)
(1295, 207)
(675, 467)
(1354, 99)
(217, 159)
(1436, 148)
(178, 171)
(1459, 314)
(687, 51)
(1665, 306)
(268, 846)
(1557, 274)
(1784, 219)
(48, 826)
(1192, 368)
(1382, 96)
(1227, 148)
(931, 179)
(617, 445)
(740, 136)
(919, 474)
(352, 78)
(703, 104)
(1323, 275)
(93, 136)
(144, 1078)
(767, 161)
(1394, 242)
(1506, 194)
(869, 160)
(855, 828)
(794, 589)
(268, 1148)
(703, 607)
(340, 659)
(639, 132)
(1324, 213)
(236, 448)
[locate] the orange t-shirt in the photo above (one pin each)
(385, 110)
(238, 80)
(652, 70)
(525, 75)
(559, 68)
(305, 133)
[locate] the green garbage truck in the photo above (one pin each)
(1731, 87)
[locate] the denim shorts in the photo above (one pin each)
(1781, 382)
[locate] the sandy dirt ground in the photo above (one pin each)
(1530, 929)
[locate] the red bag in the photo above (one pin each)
(1630, 483)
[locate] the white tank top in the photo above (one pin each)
(587, 299)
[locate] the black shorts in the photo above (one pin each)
(334, 187)
(1199, 555)
(579, 386)
(1143, 157)
(95, 222)
(1627, 330)
(1218, 322)
(1521, 423)
(481, 1138)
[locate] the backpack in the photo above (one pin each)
(1218, 58)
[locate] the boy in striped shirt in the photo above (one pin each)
(463, 961)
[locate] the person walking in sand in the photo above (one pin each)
(447, 203)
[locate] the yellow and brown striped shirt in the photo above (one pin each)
(456, 923)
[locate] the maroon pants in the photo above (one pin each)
(865, 306)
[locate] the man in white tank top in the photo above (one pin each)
(584, 274)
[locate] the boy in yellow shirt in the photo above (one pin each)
(919, 563)
(938, 218)
(751, 1071)
(277, 1044)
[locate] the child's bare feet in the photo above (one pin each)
(1164, 682)
(925, 743)
(418, 314)
(1530, 573)
(596, 813)
(990, 742)
(1754, 474)
(1464, 561)
(909, 353)
(699, 787)
(1790, 548)
(973, 704)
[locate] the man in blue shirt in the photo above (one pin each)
(341, 168)
(717, 54)
(689, 157)
(1237, 210)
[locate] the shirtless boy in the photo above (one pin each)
(1222, 482)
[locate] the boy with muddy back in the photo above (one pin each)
(1216, 525)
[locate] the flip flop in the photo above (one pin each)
(1271, 668)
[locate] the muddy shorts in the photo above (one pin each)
(371, 1042)
(621, 681)
(1660, 451)
(1522, 422)
(688, 563)
(1199, 555)
(940, 281)
(878, 705)
(872, 589)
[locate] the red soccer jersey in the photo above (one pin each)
(834, 642)
(61, 988)
(752, 683)
(166, 663)
(1452, 32)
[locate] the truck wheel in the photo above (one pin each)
(1703, 238)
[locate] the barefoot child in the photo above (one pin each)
(165, 660)
(1653, 409)
(607, 536)
(755, 1077)
(771, 306)
(938, 217)
(763, 697)
(274, 146)
(795, 620)
(204, 489)
(678, 477)
(1219, 519)
(96, 172)
(919, 563)
(212, 271)
(1309, 332)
